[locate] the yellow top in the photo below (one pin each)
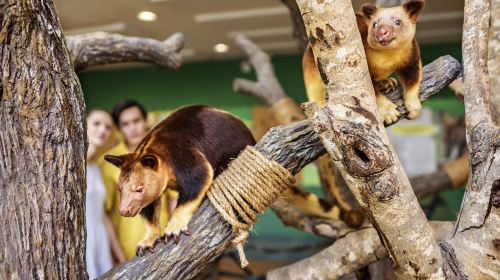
(129, 230)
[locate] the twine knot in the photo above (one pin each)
(248, 186)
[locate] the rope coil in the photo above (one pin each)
(248, 186)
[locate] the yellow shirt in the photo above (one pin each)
(129, 230)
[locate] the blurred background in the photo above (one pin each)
(212, 62)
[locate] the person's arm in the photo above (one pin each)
(116, 249)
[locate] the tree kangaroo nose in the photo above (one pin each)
(383, 32)
(124, 212)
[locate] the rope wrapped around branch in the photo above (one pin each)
(249, 185)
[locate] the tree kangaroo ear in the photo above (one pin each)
(414, 8)
(368, 10)
(115, 160)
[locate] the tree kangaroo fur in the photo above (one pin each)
(184, 152)
(388, 36)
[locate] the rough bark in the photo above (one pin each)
(351, 131)
(494, 60)
(100, 48)
(353, 252)
(42, 148)
(476, 235)
(299, 30)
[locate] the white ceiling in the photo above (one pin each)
(208, 22)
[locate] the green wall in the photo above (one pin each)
(211, 83)
(206, 82)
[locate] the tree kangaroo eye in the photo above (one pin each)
(149, 161)
(398, 22)
(374, 24)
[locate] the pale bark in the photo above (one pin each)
(42, 148)
(474, 250)
(353, 134)
(100, 48)
(494, 60)
(353, 252)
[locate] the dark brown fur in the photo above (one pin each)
(184, 152)
(189, 132)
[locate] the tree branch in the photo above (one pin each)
(476, 235)
(101, 48)
(267, 89)
(293, 217)
(348, 254)
(353, 134)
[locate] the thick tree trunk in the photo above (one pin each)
(42, 148)
(352, 133)
(474, 250)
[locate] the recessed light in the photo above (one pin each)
(221, 48)
(146, 16)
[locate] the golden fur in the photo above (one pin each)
(388, 36)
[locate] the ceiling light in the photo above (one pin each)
(146, 16)
(221, 48)
(240, 14)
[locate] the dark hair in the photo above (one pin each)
(124, 105)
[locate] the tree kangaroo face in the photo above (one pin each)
(390, 28)
(141, 181)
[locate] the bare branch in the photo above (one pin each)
(267, 89)
(476, 235)
(323, 227)
(101, 48)
(351, 130)
(482, 136)
(351, 253)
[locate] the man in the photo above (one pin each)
(130, 117)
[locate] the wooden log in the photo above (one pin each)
(352, 132)
(100, 48)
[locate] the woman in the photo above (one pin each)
(101, 238)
